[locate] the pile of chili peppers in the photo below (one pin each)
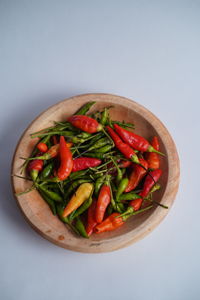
(93, 172)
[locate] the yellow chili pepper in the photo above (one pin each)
(82, 194)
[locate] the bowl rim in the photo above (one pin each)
(157, 215)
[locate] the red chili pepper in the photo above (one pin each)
(113, 222)
(83, 163)
(66, 161)
(102, 202)
(136, 175)
(42, 147)
(34, 167)
(125, 164)
(85, 123)
(91, 220)
(136, 203)
(136, 141)
(153, 158)
(125, 149)
(149, 182)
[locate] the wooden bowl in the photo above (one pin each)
(37, 212)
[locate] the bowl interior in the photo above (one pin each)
(37, 212)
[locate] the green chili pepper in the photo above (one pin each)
(95, 138)
(47, 171)
(60, 209)
(104, 116)
(95, 155)
(100, 143)
(128, 196)
(84, 109)
(121, 188)
(84, 135)
(52, 195)
(98, 185)
(50, 202)
(120, 207)
(78, 174)
(104, 149)
(110, 209)
(76, 140)
(81, 209)
(81, 228)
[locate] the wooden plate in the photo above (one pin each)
(38, 214)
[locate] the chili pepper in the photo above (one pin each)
(121, 188)
(112, 222)
(34, 167)
(149, 182)
(84, 135)
(50, 202)
(125, 149)
(47, 171)
(78, 174)
(104, 116)
(98, 184)
(153, 158)
(110, 209)
(60, 209)
(104, 149)
(125, 164)
(136, 204)
(74, 185)
(66, 161)
(81, 228)
(82, 208)
(85, 123)
(83, 163)
(52, 195)
(95, 137)
(136, 141)
(100, 143)
(136, 175)
(128, 196)
(103, 201)
(91, 220)
(84, 109)
(51, 153)
(82, 194)
(42, 147)
(96, 155)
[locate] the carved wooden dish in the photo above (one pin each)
(37, 212)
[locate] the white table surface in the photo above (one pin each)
(144, 50)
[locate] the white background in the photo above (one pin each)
(144, 50)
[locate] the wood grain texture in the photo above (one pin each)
(37, 212)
